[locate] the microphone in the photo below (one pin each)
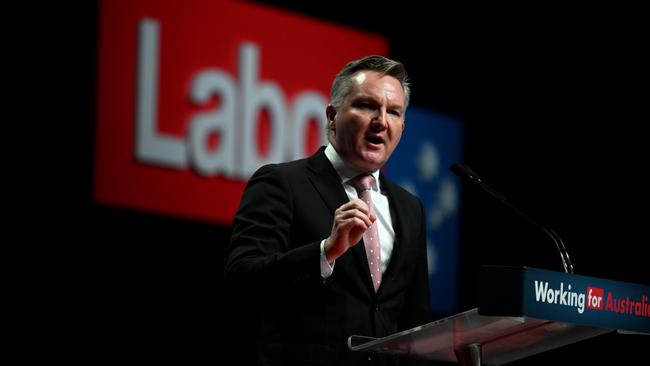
(466, 172)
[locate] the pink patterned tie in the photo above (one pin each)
(363, 183)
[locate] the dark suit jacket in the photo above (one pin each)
(286, 211)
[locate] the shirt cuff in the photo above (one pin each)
(326, 269)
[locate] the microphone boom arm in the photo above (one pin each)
(464, 171)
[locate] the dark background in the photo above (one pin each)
(553, 102)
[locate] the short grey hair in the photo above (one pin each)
(385, 66)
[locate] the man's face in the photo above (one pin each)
(367, 126)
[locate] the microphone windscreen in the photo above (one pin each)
(463, 171)
(458, 169)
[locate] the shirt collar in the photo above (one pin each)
(344, 171)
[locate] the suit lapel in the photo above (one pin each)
(327, 183)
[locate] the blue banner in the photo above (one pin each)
(431, 142)
(564, 297)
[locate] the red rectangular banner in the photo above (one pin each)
(193, 98)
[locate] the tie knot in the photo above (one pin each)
(363, 182)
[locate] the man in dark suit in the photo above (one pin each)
(297, 236)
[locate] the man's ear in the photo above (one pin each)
(330, 111)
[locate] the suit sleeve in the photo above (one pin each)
(260, 252)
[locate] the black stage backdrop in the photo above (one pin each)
(553, 104)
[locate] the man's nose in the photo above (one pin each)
(380, 120)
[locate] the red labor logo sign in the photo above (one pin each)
(192, 100)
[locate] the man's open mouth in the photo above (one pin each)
(374, 139)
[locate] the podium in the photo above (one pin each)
(522, 311)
